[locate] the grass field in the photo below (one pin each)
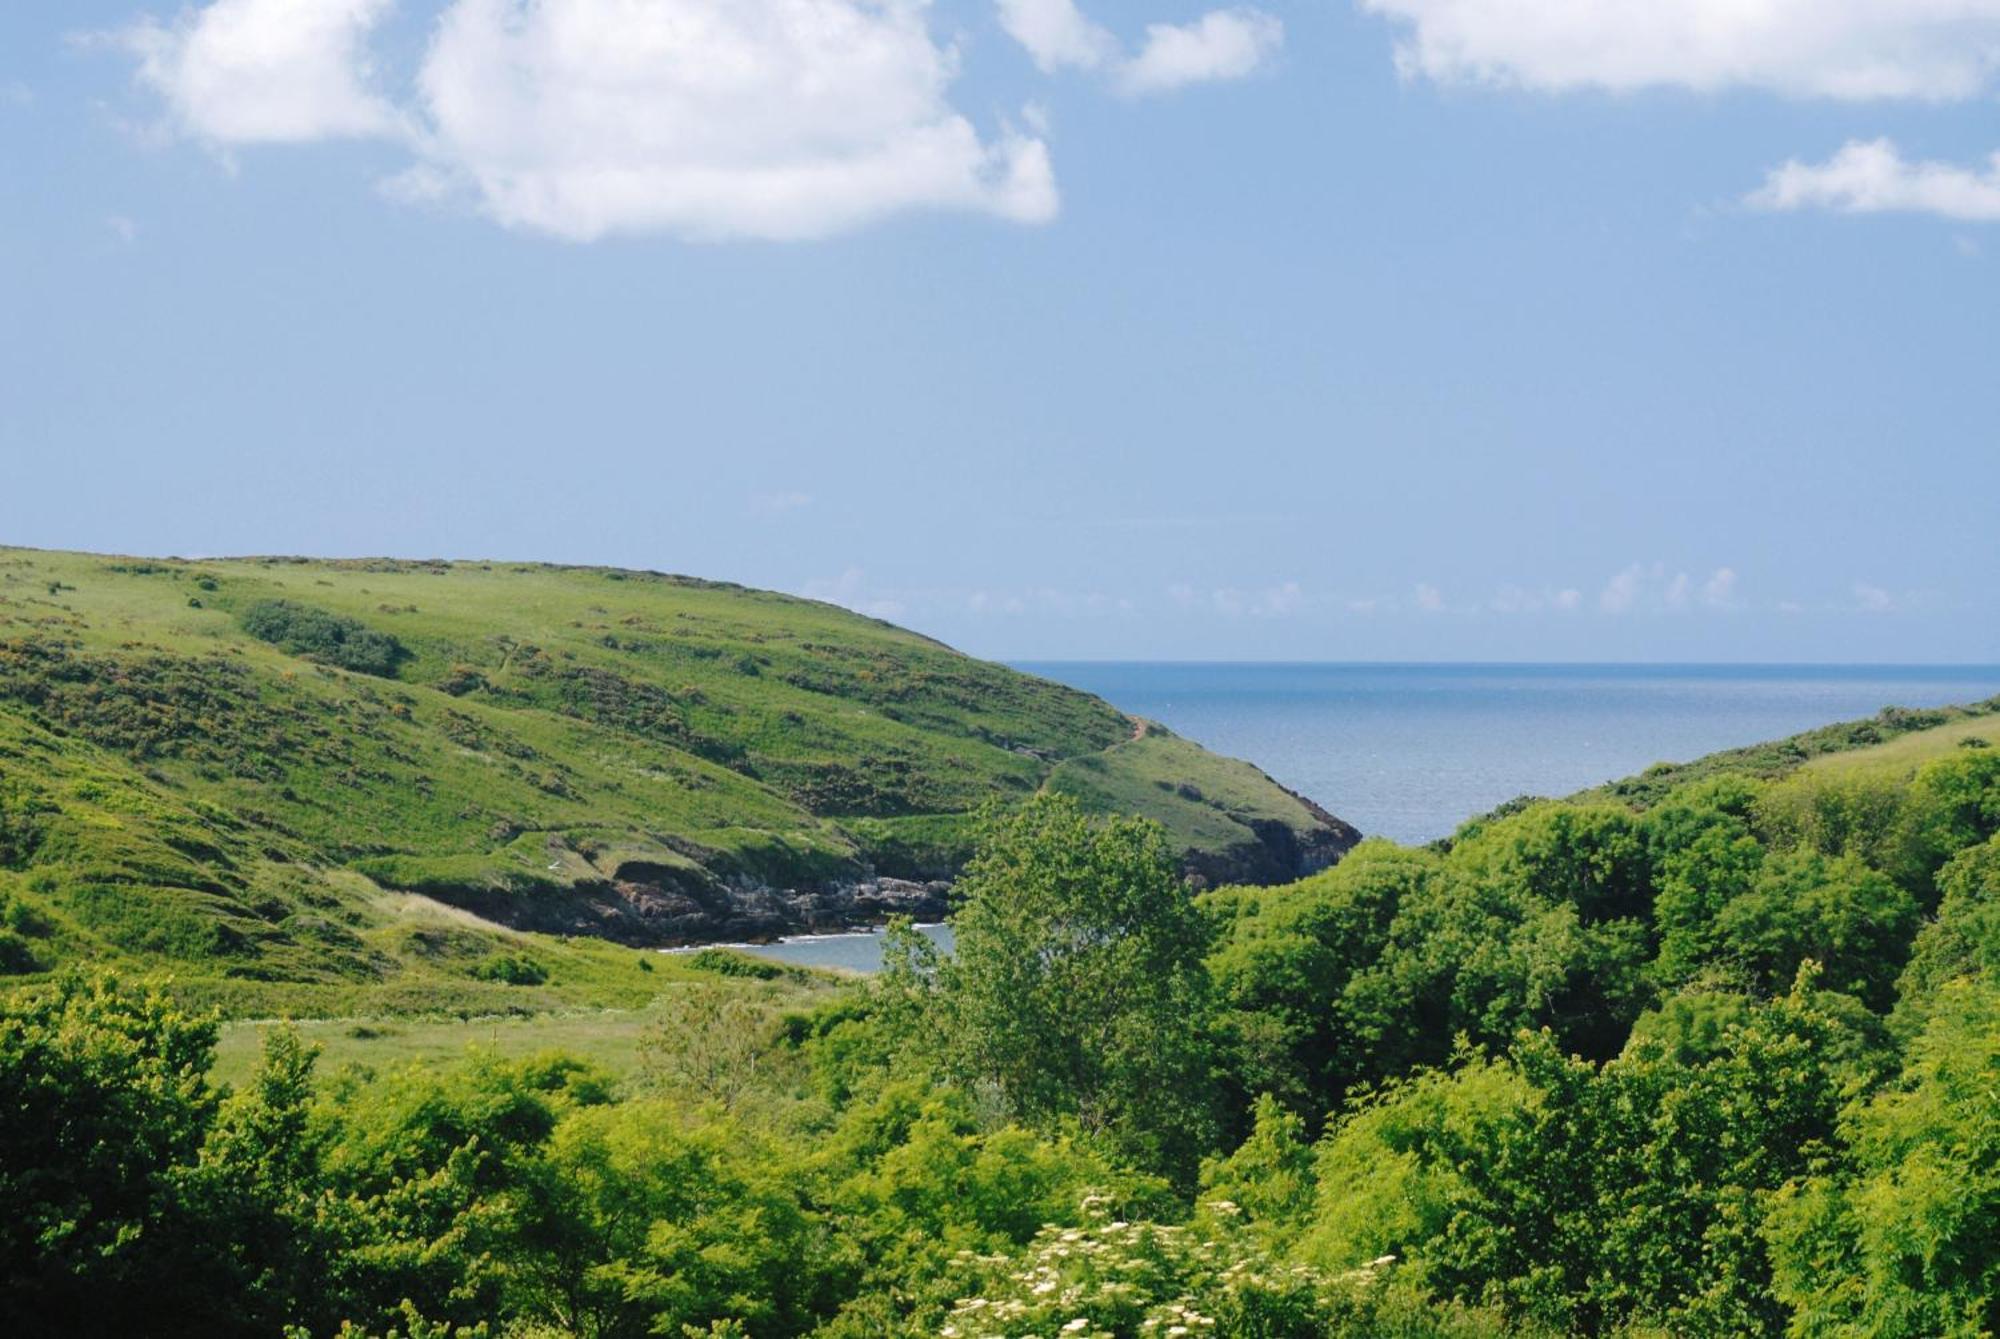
(1893, 737)
(1902, 756)
(608, 1038)
(275, 777)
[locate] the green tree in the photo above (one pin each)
(1964, 939)
(1284, 961)
(1593, 1198)
(1076, 991)
(1906, 1242)
(1856, 923)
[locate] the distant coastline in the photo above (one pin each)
(1409, 750)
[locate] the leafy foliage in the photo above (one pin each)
(1077, 990)
(1725, 1064)
(334, 639)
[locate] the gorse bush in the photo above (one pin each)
(333, 639)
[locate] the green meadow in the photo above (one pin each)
(286, 781)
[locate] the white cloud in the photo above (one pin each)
(1222, 44)
(1513, 599)
(1429, 598)
(16, 94)
(1873, 177)
(1279, 601)
(1622, 591)
(706, 119)
(1933, 50)
(1056, 34)
(1650, 586)
(124, 229)
(1872, 599)
(1677, 591)
(265, 71)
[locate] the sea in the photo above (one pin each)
(1411, 751)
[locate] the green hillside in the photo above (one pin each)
(1901, 737)
(285, 770)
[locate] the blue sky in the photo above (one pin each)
(1410, 329)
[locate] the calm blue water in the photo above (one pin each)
(860, 951)
(1411, 751)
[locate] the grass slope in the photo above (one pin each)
(271, 772)
(1897, 736)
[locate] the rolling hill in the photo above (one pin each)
(289, 771)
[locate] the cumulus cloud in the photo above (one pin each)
(1222, 44)
(1056, 34)
(1873, 177)
(1652, 586)
(582, 119)
(1933, 50)
(777, 119)
(1622, 591)
(1429, 598)
(265, 71)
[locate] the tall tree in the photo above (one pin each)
(1077, 990)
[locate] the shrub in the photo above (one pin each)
(515, 969)
(333, 639)
(726, 962)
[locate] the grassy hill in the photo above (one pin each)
(291, 771)
(1896, 738)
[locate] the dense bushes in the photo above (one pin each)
(333, 639)
(1708, 1069)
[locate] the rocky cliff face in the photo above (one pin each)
(657, 906)
(667, 909)
(1280, 854)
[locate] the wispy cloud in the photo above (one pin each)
(1276, 601)
(1870, 599)
(1512, 599)
(122, 228)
